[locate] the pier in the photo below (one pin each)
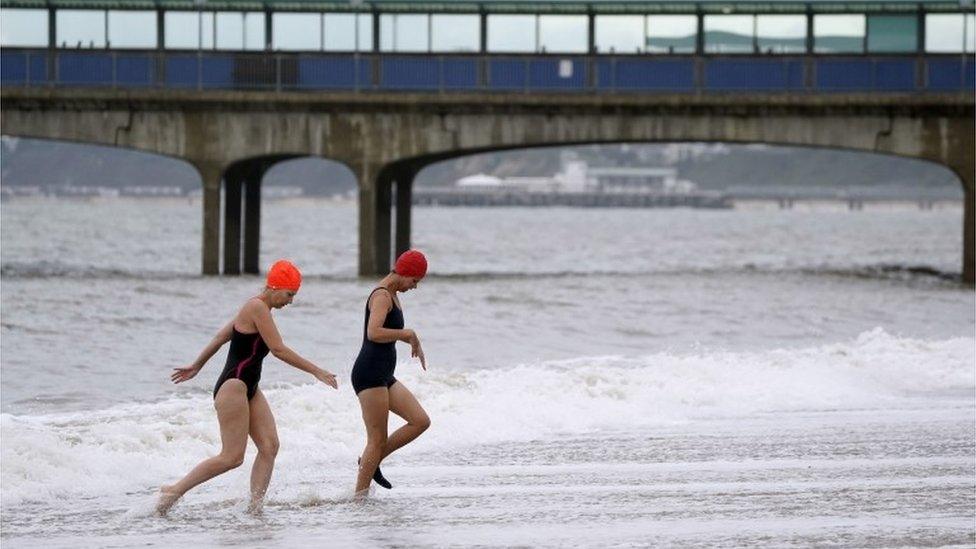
(450, 197)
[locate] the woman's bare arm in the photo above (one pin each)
(187, 372)
(379, 307)
(265, 324)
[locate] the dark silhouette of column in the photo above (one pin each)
(404, 199)
(52, 46)
(252, 217)
(233, 182)
(210, 174)
(383, 198)
(968, 226)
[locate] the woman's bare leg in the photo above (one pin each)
(375, 403)
(265, 436)
(232, 413)
(405, 405)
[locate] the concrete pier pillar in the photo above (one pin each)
(233, 181)
(382, 235)
(210, 174)
(969, 229)
(252, 218)
(404, 205)
(374, 218)
(962, 162)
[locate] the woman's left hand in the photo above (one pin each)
(417, 351)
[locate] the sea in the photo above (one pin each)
(596, 378)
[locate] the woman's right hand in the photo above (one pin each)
(326, 377)
(180, 375)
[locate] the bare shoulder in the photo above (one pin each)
(253, 309)
(381, 298)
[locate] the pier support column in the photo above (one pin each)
(252, 216)
(960, 160)
(968, 227)
(404, 205)
(233, 181)
(210, 174)
(374, 218)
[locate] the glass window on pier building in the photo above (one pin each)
(347, 31)
(24, 28)
(781, 33)
(80, 28)
(839, 33)
(729, 33)
(512, 33)
(950, 33)
(405, 32)
(455, 33)
(132, 29)
(620, 33)
(556, 27)
(892, 33)
(672, 33)
(563, 33)
(207, 30)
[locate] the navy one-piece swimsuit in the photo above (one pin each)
(247, 351)
(376, 361)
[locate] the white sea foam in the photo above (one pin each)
(135, 447)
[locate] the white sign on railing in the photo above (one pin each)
(565, 68)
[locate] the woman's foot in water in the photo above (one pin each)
(378, 477)
(167, 498)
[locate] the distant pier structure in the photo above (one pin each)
(451, 197)
(577, 185)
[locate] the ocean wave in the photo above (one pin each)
(82, 454)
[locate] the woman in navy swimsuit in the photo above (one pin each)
(372, 375)
(242, 409)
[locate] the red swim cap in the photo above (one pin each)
(284, 275)
(411, 263)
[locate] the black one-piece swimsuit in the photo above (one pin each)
(247, 351)
(376, 361)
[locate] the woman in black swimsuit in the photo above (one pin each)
(241, 407)
(372, 376)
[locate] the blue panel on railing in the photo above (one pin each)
(218, 72)
(135, 70)
(945, 74)
(38, 68)
(327, 73)
(754, 75)
(652, 75)
(13, 69)
(460, 74)
(80, 69)
(410, 73)
(365, 73)
(557, 74)
(604, 74)
(844, 75)
(181, 71)
(508, 74)
(894, 75)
